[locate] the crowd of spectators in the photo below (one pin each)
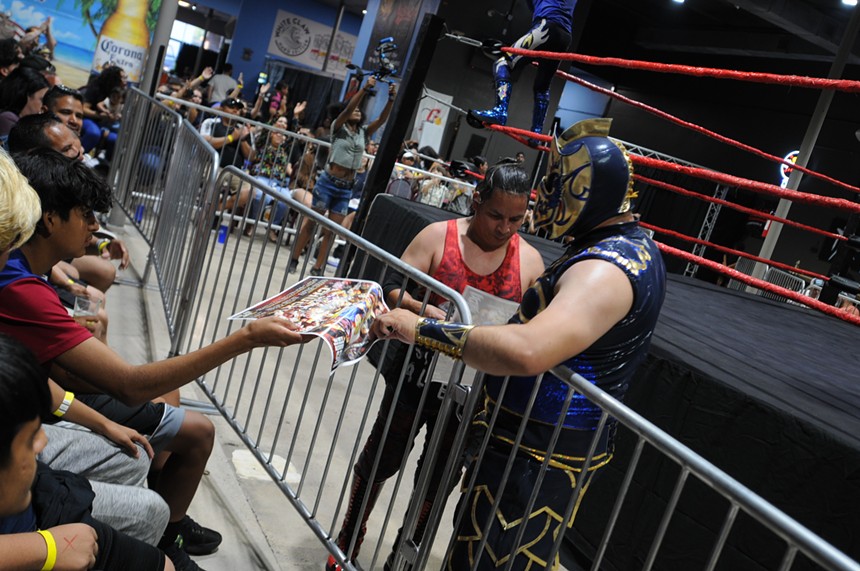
(268, 135)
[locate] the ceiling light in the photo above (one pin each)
(849, 2)
(678, 1)
(184, 4)
(364, 12)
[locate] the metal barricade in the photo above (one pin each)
(782, 279)
(181, 230)
(141, 158)
(433, 186)
(744, 266)
(691, 467)
(305, 424)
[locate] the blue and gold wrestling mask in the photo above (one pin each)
(589, 180)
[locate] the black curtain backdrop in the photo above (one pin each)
(319, 90)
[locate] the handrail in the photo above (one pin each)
(782, 524)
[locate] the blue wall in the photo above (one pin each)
(254, 30)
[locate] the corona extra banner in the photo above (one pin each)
(83, 37)
(306, 42)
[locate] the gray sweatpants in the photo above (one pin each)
(118, 480)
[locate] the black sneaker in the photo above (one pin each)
(198, 540)
(179, 557)
(294, 265)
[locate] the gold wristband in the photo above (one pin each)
(443, 336)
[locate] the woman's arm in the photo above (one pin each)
(386, 111)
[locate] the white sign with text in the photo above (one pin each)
(306, 42)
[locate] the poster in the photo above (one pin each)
(76, 26)
(306, 42)
(340, 311)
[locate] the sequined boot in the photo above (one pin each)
(498, 115)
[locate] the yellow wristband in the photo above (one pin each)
(201, 78)
(68, 398)
(70, 281)
(229, 139)
(51, 559)
(103, 244)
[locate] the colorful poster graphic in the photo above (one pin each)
(89, 34)
(306, 42)
(339, 311)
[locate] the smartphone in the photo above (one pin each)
(262, 78)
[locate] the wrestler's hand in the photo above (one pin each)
(126, 438)
(77, 546)
(398, 324)
(274, 331)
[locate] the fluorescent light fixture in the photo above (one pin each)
(184, 4)
(678, 1)
(849, 2)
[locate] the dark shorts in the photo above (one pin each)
(159, 421)
(119, 551)
(332, 194)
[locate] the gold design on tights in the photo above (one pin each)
(534, 561)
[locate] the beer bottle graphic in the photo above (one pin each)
(124, 40)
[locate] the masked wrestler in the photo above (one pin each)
(593, 311)
(550, 31)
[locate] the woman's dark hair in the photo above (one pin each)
(428, 151)
(21, 84)
(479, 161)
(99, 86)
(24, 393)
(507, 176)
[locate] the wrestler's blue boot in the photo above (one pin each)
(498, 115)
(541, 103)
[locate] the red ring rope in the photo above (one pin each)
(733, 252)
(846, 85)
(703, 131)
(738, 207)
(760, 284)
(760, 187)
